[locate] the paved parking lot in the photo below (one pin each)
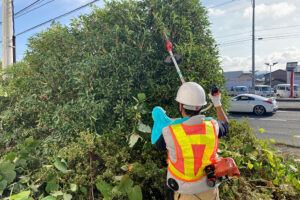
(282, 126)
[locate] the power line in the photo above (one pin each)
(274, 37)
(265, 37)
(34, 9)
(22, 10)
(224, 36)
(235, 41)
(65, 14)
(259, 30)
(17, 15)
(280, 27)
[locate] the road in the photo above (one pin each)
(283, 126)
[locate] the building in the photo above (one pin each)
(242, 78)
(238, 78)
(278, 77)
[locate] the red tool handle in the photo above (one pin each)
(169, 46)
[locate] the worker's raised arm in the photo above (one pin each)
(221, 116)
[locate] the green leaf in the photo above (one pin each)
(141, 96)
(135, 193)
(6, 166)
(20, 196)
(252, 157)
(248, 148)
(272, 140)
(144, 128)
(52, 185)
(105, 189)
(60, 164)
(34, 188)
(57, 193)
(133, 139)
(10, 156)
(21, 162)
(124, 167)
(73, 187)
(3, 185)
(262, 130)
(249, 165)
(7, 171)
(296, 183)
(125, 184)
(293, 168)
(49, 198)
(84, 190)
(118, 178)
(67, 196)
(276, 181)
(167, 32)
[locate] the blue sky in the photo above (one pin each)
(277, 23)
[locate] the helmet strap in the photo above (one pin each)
(178, 108)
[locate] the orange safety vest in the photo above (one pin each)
(196, 146)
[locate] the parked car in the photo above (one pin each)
(264, 90)
(236, 90)
(284, 90)
(252, 103)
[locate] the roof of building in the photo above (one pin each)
(234, 74)
(275, 71)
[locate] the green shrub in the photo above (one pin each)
(265, 174)
(83, 76)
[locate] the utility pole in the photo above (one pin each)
(8, 36)
(253, 45)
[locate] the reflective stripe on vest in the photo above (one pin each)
(196, 146)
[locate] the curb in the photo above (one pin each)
(289, 108)
(287, 145)
(289, 100)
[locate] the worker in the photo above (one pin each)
(192, 145)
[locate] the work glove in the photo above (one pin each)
(216, 99)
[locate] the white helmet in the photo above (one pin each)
(191, 95)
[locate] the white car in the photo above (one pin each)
(252, 103)
(264, 90)
(238, 90)
(284, 90)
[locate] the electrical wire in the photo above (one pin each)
(275, 37)
(55, 18)
(259, 30)
(27, 7)
(34, 9)
(19, 15)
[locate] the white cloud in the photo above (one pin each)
(274, 11)
(290, 54)
(235, 63)
(215, 12)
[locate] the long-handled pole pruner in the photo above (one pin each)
(169, 47)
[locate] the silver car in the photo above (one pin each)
(252, 103)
